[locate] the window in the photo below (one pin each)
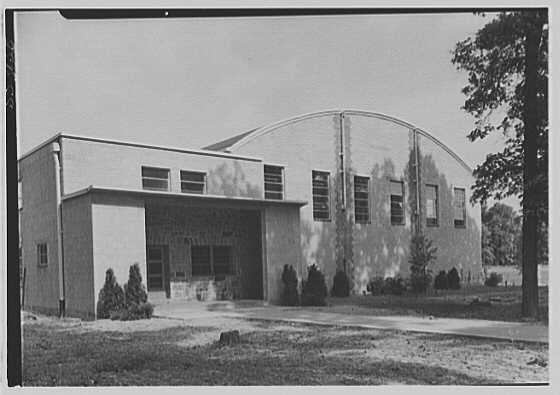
(155, 179)
(42, 254)
(459, 213)
(200, 260)
(321, 193)
(221, 260)
(397, 203)
(211, 260)
(431, 205)
(193, 182)
(361, 199)
(273, 182)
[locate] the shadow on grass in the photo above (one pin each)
(320, 356)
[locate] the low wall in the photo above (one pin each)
(512, 274)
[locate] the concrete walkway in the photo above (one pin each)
(513, 331)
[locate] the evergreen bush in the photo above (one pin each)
(134, 290)
(453, 279)
(376, 285)
(493, 280)
(440, 282)
(314, 289)
(422, 253)
(394, 286)
(111, 296)
(341, 285)
(290, 296)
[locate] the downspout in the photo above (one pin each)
(416, 167)
(343, 181)
(341, 154)
(61, 301)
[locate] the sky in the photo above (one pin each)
(191, 82)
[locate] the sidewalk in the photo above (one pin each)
(514, 331)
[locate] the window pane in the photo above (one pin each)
(361, 199)
(397, 188)
(459, 209)
(192, 176)
(155, 184)
(273, 182)
(320, 189)
(222, 260)
(200, 260)
(431, 205)
(192, 187)
(153, 172)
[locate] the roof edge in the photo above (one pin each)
(139, 145)
(144, 192)
(272, 126)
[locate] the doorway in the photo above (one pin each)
(158, 268)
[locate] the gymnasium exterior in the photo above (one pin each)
(345, 190)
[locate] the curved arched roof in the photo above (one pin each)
(235, 142)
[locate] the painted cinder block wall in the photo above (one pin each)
(86, 162)
(381, 148)
(38, 225)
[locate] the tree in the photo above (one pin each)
(507, 66)
(500, 235)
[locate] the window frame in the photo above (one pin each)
(281, 183)
(42, 254)
(211, 260)
(368, 220)
(168, 179)
(203, 182)
(402, 196)
(328, 195)
(460, 223)
(435, 219)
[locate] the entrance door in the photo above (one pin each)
(158, 278)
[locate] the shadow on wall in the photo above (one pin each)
(458, 247)
(380, 247)
(228, 181)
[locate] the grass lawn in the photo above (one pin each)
(160, 351)
(505, 304)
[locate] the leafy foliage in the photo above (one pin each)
(453, 279)
(111, 296)
(134, 312)
(440, 282)
(493, 280)
(501, 235)
(422, 253)
(134, 290)
(376, 286)
(495, 62)
(290, 296)
(341, 284)
(314, 289)
(394, 286)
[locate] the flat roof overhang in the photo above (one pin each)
(241, 202)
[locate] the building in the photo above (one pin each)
(345, 190)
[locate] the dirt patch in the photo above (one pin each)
(174, 352)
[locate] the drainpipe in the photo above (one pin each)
(61, 301)
(341, 154)
(417, 169)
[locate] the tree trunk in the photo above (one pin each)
(530, 297)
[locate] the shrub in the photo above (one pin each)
(453, 279)
(493, 280)
(290, 296)
(111, 296)
(134, 312)
(440, 282)
(341, 285)
(376, 285)
(314, 290)
(134, 290)
(394, 286)
(422, 253)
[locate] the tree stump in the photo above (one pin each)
(229, 338)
